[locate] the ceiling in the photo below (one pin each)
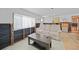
(53, 11)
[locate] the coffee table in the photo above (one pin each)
(40, 39)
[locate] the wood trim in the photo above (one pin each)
(12, 34)
(12, 29)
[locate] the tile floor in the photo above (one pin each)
(23, 45)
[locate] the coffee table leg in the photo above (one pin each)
(28, 41)
(50, 44)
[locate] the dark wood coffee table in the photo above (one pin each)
(41, 40)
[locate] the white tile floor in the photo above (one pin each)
(23, 45)
(57, 45)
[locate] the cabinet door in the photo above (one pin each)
(5, 32)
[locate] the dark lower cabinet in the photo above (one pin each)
(29, 31)
(5, 35)
(37, 25)
(32, 30)
(18, 35)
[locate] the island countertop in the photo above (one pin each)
(70, 40)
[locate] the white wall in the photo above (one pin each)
(22, 22)
(48, 19)
(25, 22)
(68, 18)
(7, 17)
(28, 22)
(17, 22)
(38, 20)
(32, 22)
(65, 18)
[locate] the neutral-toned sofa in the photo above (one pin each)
(49, 30)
